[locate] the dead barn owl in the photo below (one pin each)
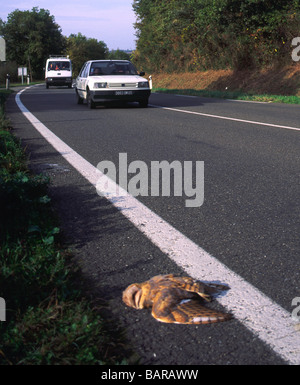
(175, 299)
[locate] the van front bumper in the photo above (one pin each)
(59, 81)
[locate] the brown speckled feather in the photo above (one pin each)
(175, 299)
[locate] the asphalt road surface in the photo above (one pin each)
(245, 233)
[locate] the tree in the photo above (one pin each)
(118, 55)
(80, 49)
(31, 36)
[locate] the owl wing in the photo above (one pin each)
(167, 308)
(194, 286)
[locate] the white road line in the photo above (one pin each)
(247, 101)
(230, 100)
(226, 118)
(262, 316)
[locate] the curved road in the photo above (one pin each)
(245, 234)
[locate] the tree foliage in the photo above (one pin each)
(202, 34)
(80, 49)
(118, 55)
(31, 36)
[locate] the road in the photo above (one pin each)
(245, 234)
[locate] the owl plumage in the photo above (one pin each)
(175, 299)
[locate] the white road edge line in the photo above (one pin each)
(230, 100)
(247, 101)
(262, 316)
(226, 118)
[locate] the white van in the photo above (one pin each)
(58, 71)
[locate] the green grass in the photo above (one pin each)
(231, 95)
(68, 333)
(48, 319)
(19, 84)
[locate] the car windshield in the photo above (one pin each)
(112, 68)
(59, 66)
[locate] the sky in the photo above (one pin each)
(110, 21)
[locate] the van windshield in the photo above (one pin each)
(58, 66)
(112, 68)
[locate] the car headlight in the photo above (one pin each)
(143, 84)
(100, 85)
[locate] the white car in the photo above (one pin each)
(102, 81)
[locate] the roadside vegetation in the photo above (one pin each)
(235, 95)
(177, 36)
(280, 85)
(225, 48)
(48, 319)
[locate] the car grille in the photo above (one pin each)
(122, 85)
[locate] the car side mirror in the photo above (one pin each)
(142, 73)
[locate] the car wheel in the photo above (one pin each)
(91, 104)
(47, 85)
(78, 98)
